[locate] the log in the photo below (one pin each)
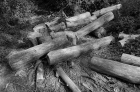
(19, 59)
(116, 69)
(95, 24)
(41, 32)
(75, 51)
(81, 22)
(62, 25)
(126, 38)
(83, 31)
(100, 32)
(67, 80)
(79, 17)
(108, 9)
(56, 21)
(130, 59)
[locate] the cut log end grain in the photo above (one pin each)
(116, 69)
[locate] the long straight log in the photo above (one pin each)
(130, 59)
(67, 80)
(95, 24)
(116, 69)
(20, 59)
(75, 51)
(108, 9)
(80, 19)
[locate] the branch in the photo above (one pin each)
(67, 80)
(120, 70)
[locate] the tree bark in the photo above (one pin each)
(130, 59)
(116, 69)
(75, 51)
(40, 34)
(79, 17)
(108, 9)
(95, 24)
(67, 80)
(19, 59)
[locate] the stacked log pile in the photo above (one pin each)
(48, 41)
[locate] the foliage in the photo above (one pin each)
(17, 10)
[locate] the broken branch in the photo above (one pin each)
(67, 80)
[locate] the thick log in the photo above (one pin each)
(75, 51)
(116, 69)
(130, 59)
(108, 9)
(95, 24)
(19, 59)
(126, 38)
(67, 80)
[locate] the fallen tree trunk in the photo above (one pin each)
(95, 24)
(19, 59)
(130, 59)
(108, 9)
(120, 70)
(67, 80)
(75, 51)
